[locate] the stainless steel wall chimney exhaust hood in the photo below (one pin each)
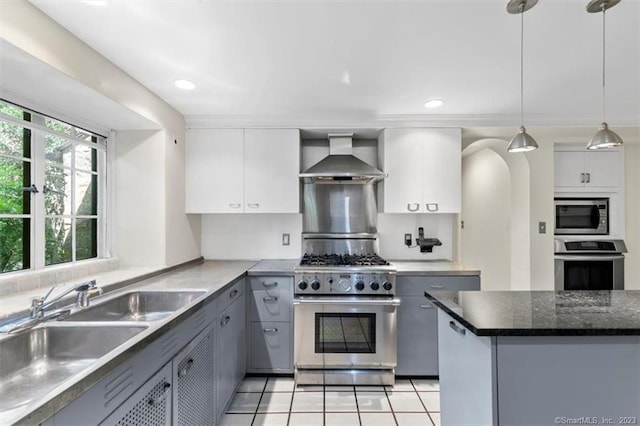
(341, 166)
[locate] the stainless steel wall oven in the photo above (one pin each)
(589, 265)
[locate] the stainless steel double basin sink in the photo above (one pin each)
(35, 361)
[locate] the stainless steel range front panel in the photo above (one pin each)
(333, 333)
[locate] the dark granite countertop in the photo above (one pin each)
(543, 313)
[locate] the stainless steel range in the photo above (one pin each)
(344, 313)
(344, 305)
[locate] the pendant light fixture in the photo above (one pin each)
(604, 138)
(521, 142)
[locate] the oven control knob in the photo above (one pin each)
(315, 285)
(374, 286)
(359, 286)
(387, 285)
(302, 285)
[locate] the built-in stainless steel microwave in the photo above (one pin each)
(582, 216)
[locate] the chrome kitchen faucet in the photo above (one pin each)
(39, 304)
(84, 289)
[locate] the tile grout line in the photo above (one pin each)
(422, 402)
(293, 395)
(255, 413)
(393, 413)
(355, 395)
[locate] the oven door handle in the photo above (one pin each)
(588, 257)
(345, 301)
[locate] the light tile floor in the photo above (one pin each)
(277, 401)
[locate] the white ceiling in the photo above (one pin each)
(373, 59)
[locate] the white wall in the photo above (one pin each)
(149, 167)
(486, 212)
(259, 236)
(140, 198)
(632, 206)
(250, 236)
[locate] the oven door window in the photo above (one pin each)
(338, 333)
(577, 217)
(588, 275)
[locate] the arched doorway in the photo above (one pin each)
(495, 213)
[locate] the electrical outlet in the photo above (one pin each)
(285, 239)
(542, 227)
(407, 240)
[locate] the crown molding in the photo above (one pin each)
(399, 120)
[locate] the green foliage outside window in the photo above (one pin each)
(59, 171)
(14, 175)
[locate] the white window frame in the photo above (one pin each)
(37, 213)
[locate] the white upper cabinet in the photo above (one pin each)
(587, 170)
(214, 170)
(242, 171)
(424, 170)
(271, 167)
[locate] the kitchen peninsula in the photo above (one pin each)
(539, 357)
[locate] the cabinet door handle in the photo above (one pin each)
(185, 370)
(269, 283)
(270, 299)
(165, 393)
(436, 286)
(426, 306)
(581, 177)
(415, 208)
(432, 207)
(270, 330)
(233, 293)
(225, 320)
(253, 205)
(457, 329)
(235, 205)
(588, 177)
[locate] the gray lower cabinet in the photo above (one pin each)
(118, 388)
(418, 320)
(149, 405)
(270, 325)
(231, 362)
(417, 337)
(194, 382)
(185, 377)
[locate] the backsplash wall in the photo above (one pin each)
(259, 236)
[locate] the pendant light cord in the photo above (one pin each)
(522, 6)
(604, 11)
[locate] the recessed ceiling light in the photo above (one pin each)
(434, 103)
(184, 84)
(96, 2)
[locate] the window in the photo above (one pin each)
(51, 191)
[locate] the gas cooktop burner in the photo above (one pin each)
(342, 260)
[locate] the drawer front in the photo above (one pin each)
(272, 283)
(271, 348)
(231, 294)
(416, 286)
(271, 305)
